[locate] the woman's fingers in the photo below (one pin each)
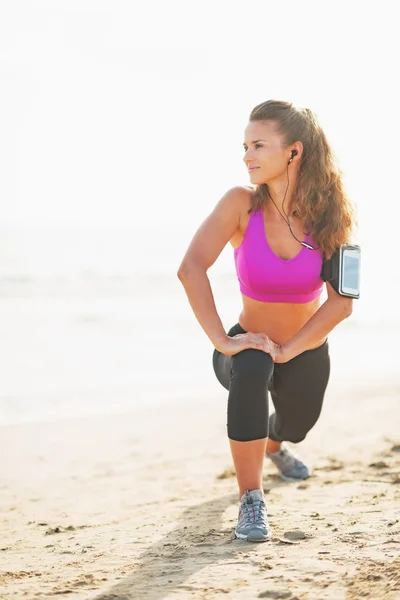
(258, 341)
(265, 346)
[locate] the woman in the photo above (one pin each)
(295, 214)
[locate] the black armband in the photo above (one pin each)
(342, 270)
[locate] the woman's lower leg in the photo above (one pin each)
(248, 458)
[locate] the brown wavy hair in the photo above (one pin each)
(320, 198)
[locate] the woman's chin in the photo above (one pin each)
(255, 177)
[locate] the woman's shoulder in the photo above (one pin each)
(241, 196)
(241, 200)
(240, 190)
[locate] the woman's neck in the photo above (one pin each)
(282, 195)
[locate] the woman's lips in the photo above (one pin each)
(253, 168)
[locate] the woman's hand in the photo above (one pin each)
(243, 341)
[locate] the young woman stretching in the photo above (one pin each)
(296, 213)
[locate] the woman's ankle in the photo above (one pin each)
(272, 446)
(258, 487)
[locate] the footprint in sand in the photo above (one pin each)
(227, 474)
(333, 464)
(379, 465)
(277, 594)
(296, 534)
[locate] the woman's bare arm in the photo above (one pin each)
(207, 244)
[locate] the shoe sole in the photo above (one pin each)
(286, 478)
(247, 538)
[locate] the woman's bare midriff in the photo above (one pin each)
(279, 320)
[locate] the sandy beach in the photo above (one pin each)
(142, 504)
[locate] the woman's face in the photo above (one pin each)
(264, 151)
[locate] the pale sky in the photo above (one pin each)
(113, 111)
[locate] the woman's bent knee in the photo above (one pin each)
(295, 438)
(252, 364)
(297, 433)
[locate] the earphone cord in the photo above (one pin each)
(286, 218)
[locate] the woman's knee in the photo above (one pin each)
(295, 437)
(253, 366)
(298, 431)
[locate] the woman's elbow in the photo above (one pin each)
(182, 271)
(185, 268)
(347, 306)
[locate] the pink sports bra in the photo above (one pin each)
(266, 277)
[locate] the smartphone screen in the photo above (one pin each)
(351, 260)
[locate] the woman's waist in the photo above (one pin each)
(279, 320)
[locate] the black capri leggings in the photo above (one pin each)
(297, 390)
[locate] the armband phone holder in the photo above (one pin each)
(342, 270)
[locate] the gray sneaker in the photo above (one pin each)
(289, 465)
(253, 521)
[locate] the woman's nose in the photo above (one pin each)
(247, 155)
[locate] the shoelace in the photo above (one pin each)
(254, 513)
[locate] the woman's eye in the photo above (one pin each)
(255, 145)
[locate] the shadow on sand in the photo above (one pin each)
(197, 541)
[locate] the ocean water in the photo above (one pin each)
(94, 320)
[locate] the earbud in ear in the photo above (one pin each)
(294, 153)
